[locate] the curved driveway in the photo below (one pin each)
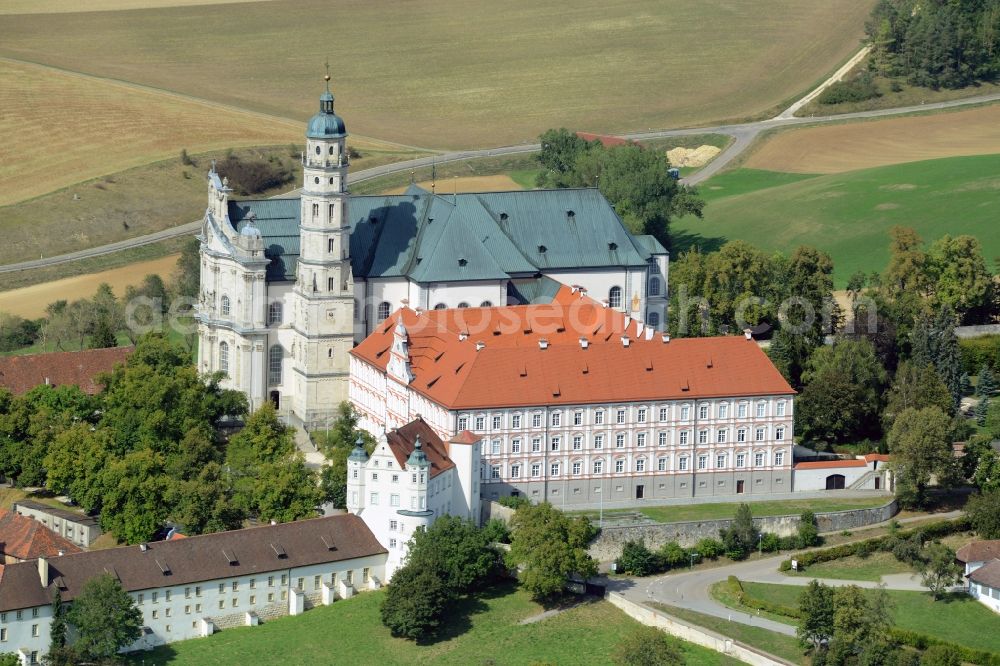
(743, 135)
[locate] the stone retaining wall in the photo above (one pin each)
(608, 544)
(490, 509)
(691, 633)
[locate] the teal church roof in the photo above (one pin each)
(466, 237)
(326, 124)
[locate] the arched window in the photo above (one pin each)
(485, 304)
(440, 306)
(355, 309)
(274, 313)
(654, 286)
(225, 306)
(318, 149)
(653, 318)
(463, 304)
(383, 311)
(224, 357)
(275, 356)
(331, 150)
(615, 298)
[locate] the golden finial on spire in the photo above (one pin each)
(327, 77)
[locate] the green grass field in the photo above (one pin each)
(479, 631)
(685, 512)
(848, 215)
(445, 73)
(780, 645)
(957, 618)
(870, 568)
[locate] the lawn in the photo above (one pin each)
(444, 73)
(870, 568)
(786, 647)
(713, 511)
(482, 630)
(956, 618)
(849, 215)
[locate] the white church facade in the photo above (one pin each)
(290, 285)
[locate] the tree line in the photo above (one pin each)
(635, 180)
(936, 43)
(150, 448)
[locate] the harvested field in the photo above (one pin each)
(860, 145)
(30, 302)
(452, 74)
(60, 128)
(61, 6)
(467, 184)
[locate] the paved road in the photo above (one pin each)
(743, 134)
(689, 589)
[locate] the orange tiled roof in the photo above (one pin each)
(401, 440)
(493, 357)
(20, 374)
(830, 464)
(877, 457)
(979, 551)
(28, 539)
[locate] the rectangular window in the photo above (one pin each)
(641, 415)
(480, 423)
(720, 460)
(316, 582)
(197, 590)
(395, 477)
(685, 412)
(495, 472)
(620, 416)
(166, 594)
(741, 410)
(556, 419)
(392, 543)
(34, 629)
(599, 417)
(619, 466)
(284, 579)
(761, 407)
(394, 500)
(515, 446)
(723, 411)
(640, 465)
(684, 437)
(463, 422)
(536, 420)
(270, 581)
(554, 443)
(373, 499)
(721, 435)
(779, 433)
(620, 440)
(536, 469)
(758, 459)
(577, 468)
(741, 435)
(197, 608)
(702, 436)
(781, 408)
(393, 525)
(577, 442)
(663, 413)
(682, 464)
(661, 465)
(301, 584)
(495, 447)
(741, 460)
(154, 597)
(515, 471)
(496, 422)
(554, 469)
(222, 603)
(598, 466)
(235, 602)
(702, 462)
(365, 575)
(536, 444)
(139, 599)
(236, 586)
(702, 411)
(187, 610)
(640, 439)
(577, 418)
(779, 458)
(759, 435)
(167, 612)
(661, 439)
(598, 441)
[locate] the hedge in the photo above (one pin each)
(923, 641)
(749, 601)
(977, 352)
(882, 543)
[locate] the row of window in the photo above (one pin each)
(576, 467)
(275, 354)
(275, 310)
(620, 414)
(577, 442)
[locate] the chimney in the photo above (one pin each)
(61, 553)
(604, 302)
(43, 571)
(543, 343)
(625, 341)
(748, 334)
(584, 343)
(480, 345)
(666, 338)
(463, 336)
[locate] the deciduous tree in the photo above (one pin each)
(105, 618)
(548, 547)
(816, 606)
(919, 444)
(648, 646)
(939, 572)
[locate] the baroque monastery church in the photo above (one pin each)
(290, 285)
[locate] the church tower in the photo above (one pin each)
(323, 296)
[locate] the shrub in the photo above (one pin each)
(808, 532)
(496, 531)
(749, 601)
(923, 642)
(253, 177)
(770, 543)
(673, 556)
(185, 158)
(858, 89)
(648, 646)
(977, 352)
(514, 501)
(637, 560)
(908, 550)
(709, 549)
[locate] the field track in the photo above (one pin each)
(861, 145)
(73, 6)
(30, 302)
(445, 186)
(430, 76)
